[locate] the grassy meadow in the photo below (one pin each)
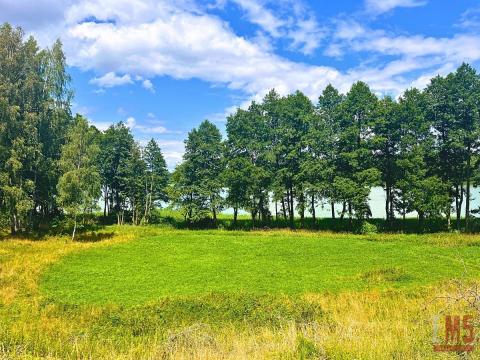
(158, 292)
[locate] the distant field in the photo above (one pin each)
(189, 263)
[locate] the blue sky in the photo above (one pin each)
(162, 66)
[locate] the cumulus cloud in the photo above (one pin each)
(172, 151)
(147, 84)
(383, 6)
(411, 58)
(110, 79)
(151, 127)
(132, 41)
(33, 14)
(148, 128)
(186, 45)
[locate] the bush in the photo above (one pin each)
(368, 228)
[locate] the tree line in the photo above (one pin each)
(53, 163)
(285, 152)
(422, 148)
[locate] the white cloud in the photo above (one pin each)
(172, 151)
(306, 35)
(382, 6)
(100, 125)
(297, 25)
(110, 79)
(470, 19)
(147, 84)
(352, 36)
(260, 15)
(33, 15)
(136, 40)
(131, 123)
(410, 57)
(186, 45)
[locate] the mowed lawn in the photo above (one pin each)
(189, 263)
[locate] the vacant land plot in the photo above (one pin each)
(147, 292)
(190, 263)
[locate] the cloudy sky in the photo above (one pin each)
(162, 66)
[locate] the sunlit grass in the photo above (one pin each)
(190, 263)
(378, 322)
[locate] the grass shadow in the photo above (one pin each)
(94, 237)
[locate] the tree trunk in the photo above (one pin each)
(467, 195)
(105, 202)
(448, 219)
(421, 220)
(387, 202)
(13, 224)
(301, 204)
(235, 213)
(332, 205)
(457, 207)
(313, 208)
(145, 213)
(284, 210)
(276, 210)
(292, 219)
(261, 208)
(392, 212)
(74, 227)
(350, 213)
(344, 209)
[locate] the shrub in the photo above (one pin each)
(368, 228)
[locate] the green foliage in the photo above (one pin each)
(79, 186)
(196, 183)
(35, 100)
(116, 146)
(156, 178)
(248, 156)
(368, 228)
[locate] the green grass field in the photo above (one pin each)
(156, 292)
(189, 263)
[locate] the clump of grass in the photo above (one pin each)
(192, 337)
(306, 349)
(387, 274)
(211, 309)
